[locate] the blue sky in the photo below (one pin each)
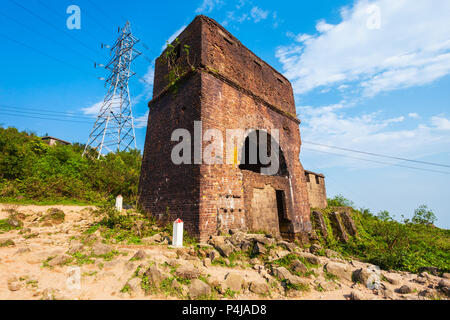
(367, 75)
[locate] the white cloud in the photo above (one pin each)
(93, 110)
(173, 37)
(441, 123)
(208, 5)
(409, 46)
(141, 122)
(330, 125)
(413, 115)
(258, 14)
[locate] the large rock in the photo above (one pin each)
(233, 281)
(348, 222)
(141, 254)
(259, 287)
(157, 238)
(198, 289)
(6, 243)
(298, 266)
(225, 249)
(287, 245)
(393, 278)
(296, 280)
(187, 272)
(282, 273)
(365, 276)
(75, 246)
(355, 295)
(135, 285)
(320, 223)
(444, 285)
(60, 260)
(405, 289)
(340, 270)
(155, 276)
(14, 222)
(261, 239)
(310, 258)
(100, 249)
(14, 284)
(338, 227)
(259, 248)
(237, 238)
(315, 249)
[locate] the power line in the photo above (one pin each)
(44, 118)
(52, 25)
(379, 162)
(44, 54)
(378, 155)
(45, 36)
(61, 15)
(24, 110)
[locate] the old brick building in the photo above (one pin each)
(225, 86)
(317, 194)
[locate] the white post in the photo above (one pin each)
(119, 202)
(177, 238)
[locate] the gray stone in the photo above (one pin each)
(393, 278)
(282, 273)
(259, 287)
(14, 284)
(139, 255)
(135, 285)
(259, 248)
(405, 289)
(100, 249)
(225, 249)
(233, 281)
(310, 258)
(60, 260)
(340, 270)
(287, 245)
(320, 222)
(298, 266)
(198, 289)
(7, 243)
(155, 276)
(23, 250)
(315, 249)
(355, 295)
(187, 272)
(75, 246)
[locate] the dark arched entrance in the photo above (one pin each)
(261, 154)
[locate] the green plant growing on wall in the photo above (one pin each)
(176, 70)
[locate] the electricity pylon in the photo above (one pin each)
(114, 128)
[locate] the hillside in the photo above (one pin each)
(74, 252)
(32, 171)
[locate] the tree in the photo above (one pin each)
(423, 215)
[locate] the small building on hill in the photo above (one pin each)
(317, 194)
(52, 141)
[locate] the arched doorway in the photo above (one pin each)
(262, 155)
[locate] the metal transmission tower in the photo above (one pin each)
(114, 128)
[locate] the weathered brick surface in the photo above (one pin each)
(230, 88)
(317, 194)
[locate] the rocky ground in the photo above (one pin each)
(45, 253)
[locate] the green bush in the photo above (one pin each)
(391, 244)
(32, 171)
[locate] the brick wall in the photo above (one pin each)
(316, 189)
